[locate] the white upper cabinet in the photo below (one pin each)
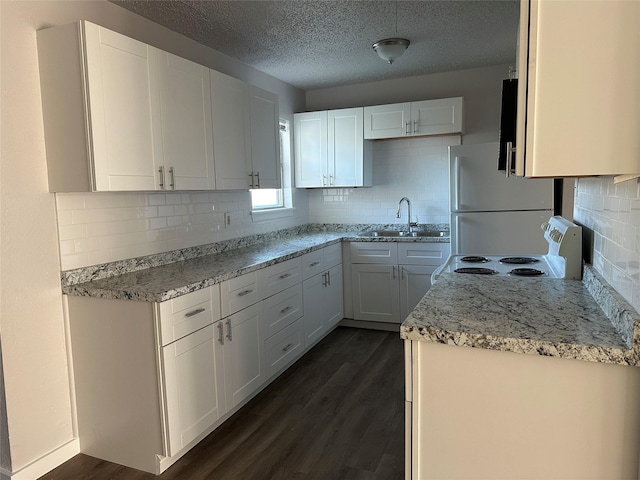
(120, 115)
(330, 150)
(427, 117)
(102, 128)
(578, 89)
(265, 139)
(231, 141)
(185, 101)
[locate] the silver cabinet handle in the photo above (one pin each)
(510, 151)
(220, 334)
(194, 312)
(402, 273)
(161, 171)
(229, 335)
(406, 128)
(328, 278)
(324, 279)
(251, 180)
(258, 177)
(245, 292)
(393, 272)
(314, 264)
(172, 176)
(284, 275)
(330, 180)
(415, 126)
(285, 310)
(287, 348)
(324, 180)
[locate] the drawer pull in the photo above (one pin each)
(194, 312)
(246, 292)
(285, 275)
(314, 264)
(285, 309)
(288, 347)
(220, 334)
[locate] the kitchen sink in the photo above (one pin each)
(401, 234)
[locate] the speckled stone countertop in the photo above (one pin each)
(161, 277)
(585, 320)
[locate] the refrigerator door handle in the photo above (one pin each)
(456, 237)
(456, 184)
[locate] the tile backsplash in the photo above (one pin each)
(417, 168)
(611, 214)
(97, 228)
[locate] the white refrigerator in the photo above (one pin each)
(490, 213)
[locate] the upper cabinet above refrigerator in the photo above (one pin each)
(578, 89)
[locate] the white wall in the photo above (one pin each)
(611, 215)
(416, 168)
(38, 400)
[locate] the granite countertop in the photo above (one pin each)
(166, 276)
(585, 320)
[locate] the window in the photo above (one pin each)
(273, 198)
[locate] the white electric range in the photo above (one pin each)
(563, 260)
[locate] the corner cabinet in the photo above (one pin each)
(330, 150)
(120, 115)
(413, 119)
(578, 89)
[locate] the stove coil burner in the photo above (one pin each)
(474, 259)
(526, 272)
(476, 270)
(519, 260)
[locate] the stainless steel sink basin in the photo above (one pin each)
(400, 234)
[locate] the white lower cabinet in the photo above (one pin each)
(284, 347)
(388, 279)
(193, 385)
(322, 292)
(243, 355)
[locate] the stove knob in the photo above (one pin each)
(555, 235)
(545, 226)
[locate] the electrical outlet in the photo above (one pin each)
(227, 219)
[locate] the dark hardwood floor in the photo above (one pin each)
(337, 414)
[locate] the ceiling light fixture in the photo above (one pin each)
(389, 49)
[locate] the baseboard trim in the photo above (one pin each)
(389, 327)
(48, 462)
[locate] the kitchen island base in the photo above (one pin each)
(504, 415)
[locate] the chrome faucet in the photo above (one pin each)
(410, 224)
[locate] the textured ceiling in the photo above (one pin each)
(327, 43)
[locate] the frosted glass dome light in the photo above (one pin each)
(390, 48)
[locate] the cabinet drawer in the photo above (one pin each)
(238, 293)
(186, 314)
(422, 253)
(279, 277)
(312, 263)
(282, 309)
(385, 253)
(284, 347)
(332, 255)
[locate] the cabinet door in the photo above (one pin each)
(314, 321)
(387, 121)
(231, 138)
(345, 147)
(265, 139)
(573, 125)
(375, 293)
(124, 111)
(243, 355)
(436, 117)
(187, 136)
(415, 280)
(333, 296)
(310, 139)
(193, 387)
